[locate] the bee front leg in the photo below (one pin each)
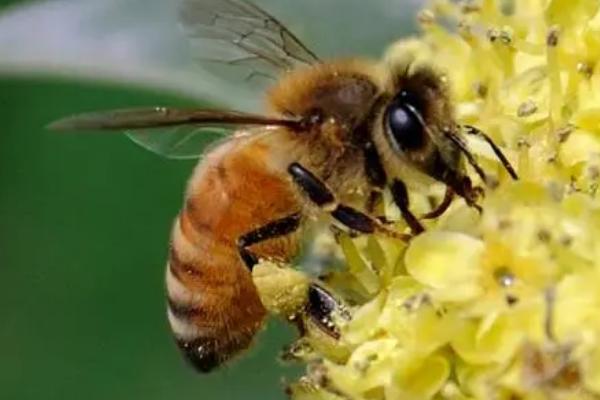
(443, 206)
(318, 192)
(271, 230)
(400, 196)
(377, 179)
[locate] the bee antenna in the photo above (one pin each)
(472, 161)
(471, 130)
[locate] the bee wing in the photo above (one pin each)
(170, 132)
(239, 35)
(233, 33)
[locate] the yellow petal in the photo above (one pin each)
(485, 342)
(419, 379)
(448, 262)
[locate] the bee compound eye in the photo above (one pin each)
(321, 307)
(405, 127)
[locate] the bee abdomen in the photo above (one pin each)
(205, 350)
(213, 307)
(206, 354)
(201, 354)
(196, 345)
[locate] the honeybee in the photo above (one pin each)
(332, 129)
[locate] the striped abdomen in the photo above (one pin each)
(213, 306)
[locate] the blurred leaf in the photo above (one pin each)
(138, 42)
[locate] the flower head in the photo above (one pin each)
(504, 304)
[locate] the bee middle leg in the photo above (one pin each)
(375, 197)
(274, 229)
(318, 192)
(376, 177)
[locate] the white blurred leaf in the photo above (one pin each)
(138, 42)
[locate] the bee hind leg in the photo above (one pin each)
(321, 307)
(271, 230)
(318, 193)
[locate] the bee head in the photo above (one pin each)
(413, 128)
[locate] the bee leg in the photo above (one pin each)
(320, 308)
(271, 230)
(400, 196)
(470, 193)
(318, 192)
(376, 176)
(373, 200)
(443, 206)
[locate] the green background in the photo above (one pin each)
(85, 221)
(84, 228)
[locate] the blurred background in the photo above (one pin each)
(85, 218)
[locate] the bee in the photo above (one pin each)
(332, 130)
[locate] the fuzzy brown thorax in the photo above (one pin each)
(347, 103)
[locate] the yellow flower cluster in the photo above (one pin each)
(506, 304)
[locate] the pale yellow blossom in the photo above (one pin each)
(506, 304)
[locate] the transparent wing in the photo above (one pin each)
(179, 142)
(232, 33)
(170, 132)
(239, 35)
